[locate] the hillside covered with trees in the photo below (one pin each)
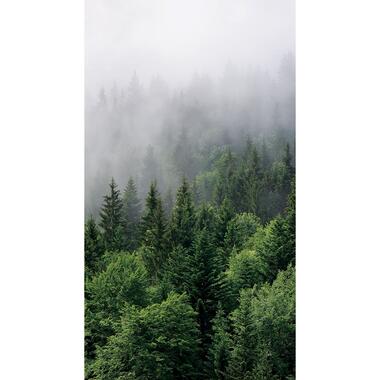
(199, 282)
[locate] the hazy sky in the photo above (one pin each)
(176, 38)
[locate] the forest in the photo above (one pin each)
(190, 197)
(196, 282)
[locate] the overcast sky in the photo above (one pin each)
(177, 38)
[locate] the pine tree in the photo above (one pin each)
(225, 214)
(289, 170)
(264, 155)
(183, 218)
(93, 246)
(248, 186)
(168, 203)
(150, 170)
(225, 187)
(153, 232)
(277, 246)
(220, 350)
(131, 217)
(111, 218)
(243, 354)
(205, 270)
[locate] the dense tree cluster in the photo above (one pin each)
(200, 285)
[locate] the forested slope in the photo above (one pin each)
(198, 282)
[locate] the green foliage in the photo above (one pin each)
(206, 182)
(220, 351)
(244, 271)
(226, 183)
(125, 280)
(183, 217)
(93, 246)
(158, 342)
(179, 269)
(131, 216)
(232, 259)
(240, 229)
(153, 233)
(264, 331)
(249, 181)
(111, 218)
(276, 245)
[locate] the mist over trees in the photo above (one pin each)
(190, 190)
(156, 132)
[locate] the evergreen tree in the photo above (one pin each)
(243, 354)
(205, 270)
(225, 214)
(249, 180)
(132, 212)
(220, 350)
(150, 169)
(264, 155)
(183, 217)
(240, 229)
(168, 203)
(225, 187)
(93, 246)
(179, 269)
(111, 218)
(153, 232)
(245, 269)
(277, 246)
(290, 224)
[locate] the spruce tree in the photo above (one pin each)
(225, 186)
(131, 217)
(153, 232)
(168, 203)
(248, 180)
(220, 350)
(111, 218)
(205, 271)
(289, 170)
(183, 218)
(93, 246)
(243, 354)
(225, 214)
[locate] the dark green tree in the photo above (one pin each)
(249, 180)
(225, 214)
(243, 354)
(276, 247)
(183, 218)
(153, 233)
(240, 229)
(111, 218)
(131, 216)
(220, 351)
(225, 187)
(93, 246)
(245, 270)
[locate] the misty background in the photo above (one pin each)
(170, 83)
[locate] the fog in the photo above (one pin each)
(171, 75)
